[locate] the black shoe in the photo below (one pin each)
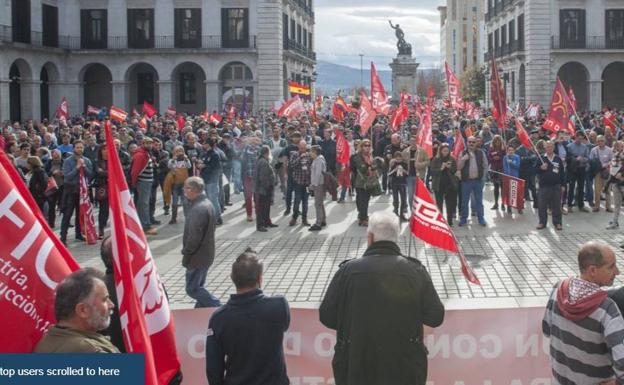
(261, 229)
(166, 209)
(287, 212)
(340, 200)
(272, 225)
(323, 224)
(315, 228)
(80, 238)
(219, 222)
(495, 207)
(229, 203)
(64, 241)
(403, 218)
(154, 222)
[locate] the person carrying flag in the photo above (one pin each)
(550, 176)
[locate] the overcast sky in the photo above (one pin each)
(346, 28)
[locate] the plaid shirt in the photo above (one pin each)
(249, 160)
(300, 165)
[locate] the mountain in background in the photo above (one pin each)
(332, 77)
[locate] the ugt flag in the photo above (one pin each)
(513, 192)
(146, 321)
(428, 224)
(87, 223)
(33, 263)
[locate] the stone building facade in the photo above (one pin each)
(580, 41)
(461, 34)
(194, 55)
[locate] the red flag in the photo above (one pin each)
(117, 114)
(513, 192)
(343, 151)
(171, 111)
(147, 324)
(343, 105)
(458, 146)
(522, 135)
(609, 122)
(560, 109)
(366, 114)
(93, 110)
(428, 224)
(37, 262)
(291, 108)
(572, 98)
(425, 137)
(430, 94)
(231, 112)
(180, 122)
(62, 111)
(143, 124)
(453, 86)
(215, 119)
(87, 223)
(337, 112)
(499, 108)
(379, 98)
(399, 115)
(148, 109)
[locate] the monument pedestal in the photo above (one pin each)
(403, 76)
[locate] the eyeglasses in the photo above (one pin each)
(367, 145)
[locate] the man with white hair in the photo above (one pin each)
(378, 305)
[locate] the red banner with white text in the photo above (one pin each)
(87, 221)
(513, 192)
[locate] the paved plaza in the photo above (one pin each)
(512, 259)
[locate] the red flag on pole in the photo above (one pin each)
(171, 111)
(215, 119)
(291, 108)
(609, 121)
(87, 223)
(231, 112)
(400, 113)
(38, 262)
(499, 108)
(522, 135)
(180, 122)
(343, 151)
(379, 98)
(458, 146)
(148, 109)
(62, 111)
(143, 124)
(117, 114)
(93, 110)
(366, 114)
(513, 192)
(428, 224)
(453, 86)
(430, 94)
(146, 320)
(425, 137)
(572, 97)
(560, 109)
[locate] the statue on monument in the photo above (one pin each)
(403, 47)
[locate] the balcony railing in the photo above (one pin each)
(294, 46)
(122, 42)
(507, 49)
(302, 5)
(590, 42)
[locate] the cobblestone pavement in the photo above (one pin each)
(510, 257)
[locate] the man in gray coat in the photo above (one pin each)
(198, 243)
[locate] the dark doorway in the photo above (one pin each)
(44, 92)
(15, 94)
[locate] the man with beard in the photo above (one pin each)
(82, 308)
(71, 191)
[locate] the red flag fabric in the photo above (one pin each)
(513, 192)
(337, 112)
(430, 94)
(93, 110)
(343, 151)
(180, 122)
(143, 124)
(399, 115)
(458, 146)
(87, 222)
(117, 114)
(379, 98)
(428, 224)
(453, 86)
(291, 108)
(609, 121)
(147, 324)
(215, 119)
(366, 114)
(424, 138)
(560, 109)
(499, 102)
(37, 260)
(231, 112)
(62, 111)
(148, 109)
(572, 98)
(171, 111)
(343, 105)
(522, 135)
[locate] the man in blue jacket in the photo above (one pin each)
(249, 331)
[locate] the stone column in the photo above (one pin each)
(595, 94)
(5, 106)
(165, 94)
(213, 95)
(270, 53)
(120, 94)
(31, 99)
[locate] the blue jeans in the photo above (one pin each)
(195, 280)
(237, 181)
(301, 196)
(178, 198)
(144, 191)
(469, 187)
(212, 192)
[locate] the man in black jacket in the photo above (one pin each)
(378, 304)
(248, 331)
(551, 176)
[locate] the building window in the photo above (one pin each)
(521, 32)
(572, 28)
(93, 28)
(490, 42)
(235, 27)
(285, 30)
(141, 28)
(298, 34)
(454, 39)
(145, 87)
(188, 28)
(454, 10)
(188, 89)
(614, 25)
(503, 38)
(310, 40)
(293, 29)
(20, 15)
(49, 22)
(305, 38)
(512, 31)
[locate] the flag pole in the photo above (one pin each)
(530, 141)
(498, 89)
